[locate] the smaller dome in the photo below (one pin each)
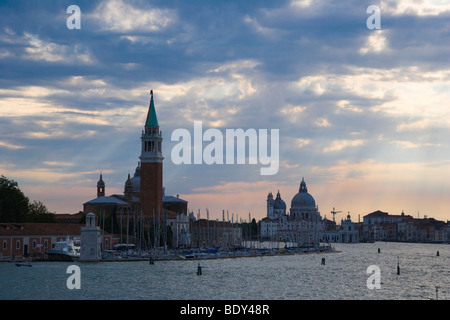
(136, 181)
(279, 203)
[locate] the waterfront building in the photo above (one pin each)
(34, 239)
(423, 230)
(69, 217)
(214, 233)
(381, 226)
(348, 231)
(302, 225)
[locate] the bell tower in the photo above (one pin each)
(100, 187)
(151, 184)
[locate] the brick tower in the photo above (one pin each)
(151, 188)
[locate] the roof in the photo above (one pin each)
(173, 199)
(107, 200)
(211, 223)
(69, 215)
(377, 213)
(152, 120)
(40, 229)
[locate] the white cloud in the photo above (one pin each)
(257, 26)
(405, 144)
(376, 42)
(117, 15)
(10, 146)
(345, 105)
(338, 145)
(38, 49)
(416, 7)
(322, 122)
(424, 123)
(301, 142)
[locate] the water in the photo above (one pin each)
(293, 277)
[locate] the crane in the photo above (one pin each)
(334, 212)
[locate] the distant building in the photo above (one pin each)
(349, 232)
(423, 230)
(213, 233)
(346, 232)
(69, 218)
(303, 225)
(381, 226)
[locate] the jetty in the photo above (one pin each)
(211, 253)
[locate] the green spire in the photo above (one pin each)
(152, 120)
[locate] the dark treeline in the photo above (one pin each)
(250, 230)
(16, 207)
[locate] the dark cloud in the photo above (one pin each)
(235, 64)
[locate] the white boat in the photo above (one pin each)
(68, 250)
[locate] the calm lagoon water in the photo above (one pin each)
(293, 277)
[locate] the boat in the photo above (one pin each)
(22, 264)
(68, 250)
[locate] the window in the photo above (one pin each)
(34, 244)
(5, 244)
(17, 244)
(45, 244)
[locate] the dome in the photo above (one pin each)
(136, 181)
(279, 203)
(303, 199)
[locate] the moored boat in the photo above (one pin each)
(68, 250)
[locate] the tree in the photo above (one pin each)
(16, 207)
(38, 212)
(13, 202)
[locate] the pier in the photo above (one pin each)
(216, 254)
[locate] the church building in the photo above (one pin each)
(143, 196)
(302, 225)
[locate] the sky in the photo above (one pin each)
(363, 113)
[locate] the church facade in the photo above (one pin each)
(302, 225)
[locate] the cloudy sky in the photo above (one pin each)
(363, 114)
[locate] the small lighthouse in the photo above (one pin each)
(90, 240)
